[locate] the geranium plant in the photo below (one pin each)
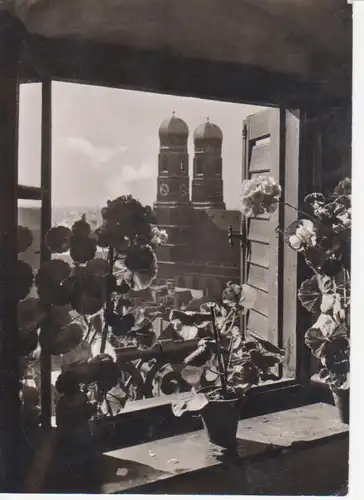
(322, 236)
(225, 365)
(83, 306)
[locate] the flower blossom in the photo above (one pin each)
(241, 297)
(260, 195)
(159, 236)
(304, 235)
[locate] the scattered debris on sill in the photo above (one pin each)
(122, 472)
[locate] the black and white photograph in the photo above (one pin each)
(175, 246)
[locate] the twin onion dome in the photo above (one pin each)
(175, 126)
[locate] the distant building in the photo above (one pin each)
(197, 254)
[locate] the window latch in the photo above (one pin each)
(234, 235)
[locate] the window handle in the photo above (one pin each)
(233, 235)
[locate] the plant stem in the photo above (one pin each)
(108, 405)
(299, 210)
(128, 383)
(226, 320)
(108, 302)
(89, 328)
(219, 353)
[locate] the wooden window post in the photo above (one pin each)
(11, 36)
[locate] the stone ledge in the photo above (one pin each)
(147, 465)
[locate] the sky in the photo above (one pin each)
(105, 141)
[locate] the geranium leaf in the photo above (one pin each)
(192, 374)
(264, 360)
(146, 336)
(311, 292)
(268, 346)
(187, 332)
(343, 187)
(315, 257)
(248, 297)
(80, 354)
(109, 350)
(197, 403)
(210, 376)
(326, 324)
(315, 200)
(269, 376)
(340, 332)
(219, 310)
(24, 239)
(236, 342)
(58, 239)
(97, 323)
(66, 339)
(191, 318)
(328, 302)
(315, 340)
(141, 267)
(199, 356)
(24, 279)
(123, 325)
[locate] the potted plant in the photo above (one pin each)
(76, 307)
(224, 366)
(322, 237)
(107, 263)
(82, 306)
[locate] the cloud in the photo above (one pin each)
(133, 180)
(130, 174)
(84, 174)
(82, 146)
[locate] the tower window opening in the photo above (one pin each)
(164, 164)
(198, 167)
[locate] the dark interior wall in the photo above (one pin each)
(336, 145)
(328, 159)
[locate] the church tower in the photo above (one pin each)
(207, 184)
(173, 177)
(173, 208)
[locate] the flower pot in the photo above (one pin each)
(341, 399)
(220, 418)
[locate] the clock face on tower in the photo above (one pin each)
(183, 190)
(164, 189)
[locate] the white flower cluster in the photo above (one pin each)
(260, 195)
(159, 236)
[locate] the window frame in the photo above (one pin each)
(278, 92)
(43, 193)
(261, 397)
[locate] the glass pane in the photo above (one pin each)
(30, 119)
(29, 218)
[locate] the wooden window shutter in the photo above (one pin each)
(262, 150)
(270, 148)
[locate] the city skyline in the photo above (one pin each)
(105, 141)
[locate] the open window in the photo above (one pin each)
(270, 146)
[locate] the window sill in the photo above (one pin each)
(147, 420)
(167, 465)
